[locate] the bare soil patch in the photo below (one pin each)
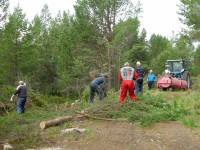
(111, 135)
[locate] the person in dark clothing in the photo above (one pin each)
(139, 82)
(21, 91)
(98, 85)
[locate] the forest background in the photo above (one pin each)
(55, 55)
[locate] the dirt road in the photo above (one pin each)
(126, 136)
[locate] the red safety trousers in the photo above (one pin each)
(127, 85)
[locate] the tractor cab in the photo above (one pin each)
(175, 67)
(178, 69)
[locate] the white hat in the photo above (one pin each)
(21, 82)
(126, 64)
(138, 63)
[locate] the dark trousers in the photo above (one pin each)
(21, 105)
(150, 84)
(94, 88)
(139, 85)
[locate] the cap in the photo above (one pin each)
(21, 82)
(126, 64)
(138, 63)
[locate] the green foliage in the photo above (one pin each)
(155, 109)
(45, 100)
(100, 19)
(196, 66)
(160, 49)
(37, 100)
(24, 127)
(4, 5)
(158, 44)
(12, 48)
(86, 94)
(184, 47)
(189, 12)
(54, 99)
(20, 127)
(148, 109)
(90, 133)
(132, 46)
(6, 92)
(191, 122)
(55, 55)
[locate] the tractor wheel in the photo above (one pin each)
(184, 75)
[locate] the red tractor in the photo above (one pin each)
(176, 75)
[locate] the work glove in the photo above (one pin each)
(11, 99)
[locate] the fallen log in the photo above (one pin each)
(54, 122)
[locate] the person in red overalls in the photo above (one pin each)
(126, 76)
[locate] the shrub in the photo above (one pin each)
(85, 94)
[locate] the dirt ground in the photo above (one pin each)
(111, 135)
(115, 135)
(121, 135)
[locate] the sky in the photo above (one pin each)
(158, 16)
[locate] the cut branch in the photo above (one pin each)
(98, 118)
(4, 107)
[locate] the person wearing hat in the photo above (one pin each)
(126, 76)
(21, 91)
(139, 82)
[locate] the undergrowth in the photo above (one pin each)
(22, 130)
(148, 109)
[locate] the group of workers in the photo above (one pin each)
(131, 81)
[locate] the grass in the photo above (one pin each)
(191, 121)
(148, 109)
(22, 130)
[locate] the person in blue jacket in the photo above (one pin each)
(98, 86)
(151, 78)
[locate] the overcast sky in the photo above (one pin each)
(159, 16)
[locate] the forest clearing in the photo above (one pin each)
(51, 57)
(158, 120)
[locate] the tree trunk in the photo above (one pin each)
(50, 123)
